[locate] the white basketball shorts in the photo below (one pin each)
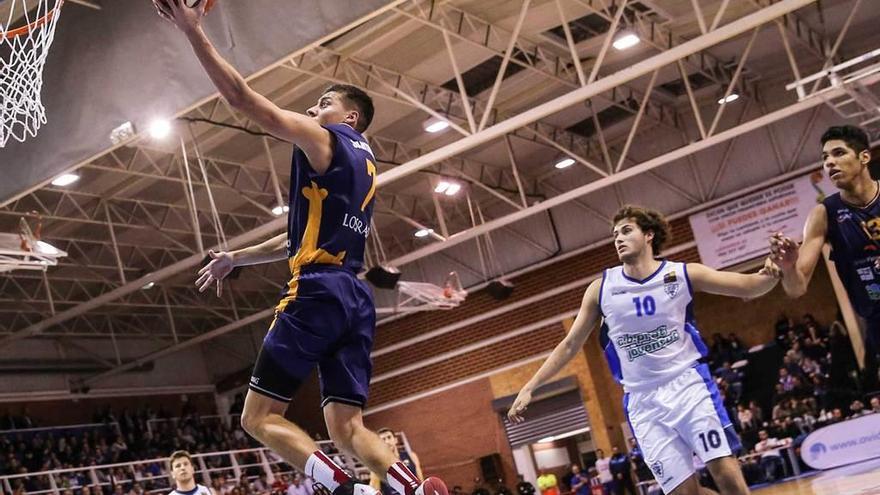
(675, 420)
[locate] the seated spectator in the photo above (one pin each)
(836, 416)
(857, 408)
(785, 379)
(799, 389)
(810, 366)
(737, 348)
(745, 418)
(783, 325)
(795, 353)
(875, 404)
(757, 412)
(771, 459)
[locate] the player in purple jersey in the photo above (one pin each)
(326, 316)
(849, 220)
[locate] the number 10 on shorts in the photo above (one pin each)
(711, 440)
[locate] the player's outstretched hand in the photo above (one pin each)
(770, 269)
(519, 406)
(216, 270)
(177, 13)
(783, 251)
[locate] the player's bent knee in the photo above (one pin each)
(250, 422)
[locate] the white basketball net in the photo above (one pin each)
(26, 34)
(419, 296)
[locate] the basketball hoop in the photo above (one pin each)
(425, 295)
(23, 52)
(25, 250)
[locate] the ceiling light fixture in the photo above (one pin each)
(65, 180)
(626, 39)
(424, 232)
(453, 189)
(160, 128)
(564, 163)
(280, 209)
(441, 187)
(435, 125)
(731, 97)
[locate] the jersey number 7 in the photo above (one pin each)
(371, 171)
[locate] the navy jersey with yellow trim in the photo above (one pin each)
(329, 218)
(854, 234)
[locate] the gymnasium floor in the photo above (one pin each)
(858, 479)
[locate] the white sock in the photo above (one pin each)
(320, 468)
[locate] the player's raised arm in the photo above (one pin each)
(705, 279)
(798, 263)
(301, 130)
(222, 263)
(563, 353)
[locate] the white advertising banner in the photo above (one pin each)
(851, 441)
(738, 231)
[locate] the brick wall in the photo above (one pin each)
(450, 431)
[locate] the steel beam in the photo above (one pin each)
(605, 84)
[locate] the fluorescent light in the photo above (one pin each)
(65, 180)
(625, 40)
(565, 163)
(547, 439)
(442, 186)
(148, 286)
(278, 210)
(46, 248)
(437, 126)
(731, 97)
(424, 232)
(453, 189)
(160, 128)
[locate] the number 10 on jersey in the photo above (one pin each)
(645, 306)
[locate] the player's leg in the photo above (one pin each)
(704, 423)
(293, 336)
(345, 424)
(727, 474)
(263, 418)
(690, 486)
(345, 378)
(668, 456)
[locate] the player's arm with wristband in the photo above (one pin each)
(798, 263)
(303, 131)
(223, 262)
(581, 329)
(723, 283)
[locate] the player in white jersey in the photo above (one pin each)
(183, 474)
(653, 348)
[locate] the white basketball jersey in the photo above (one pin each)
(198, 490)
(648, 332)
